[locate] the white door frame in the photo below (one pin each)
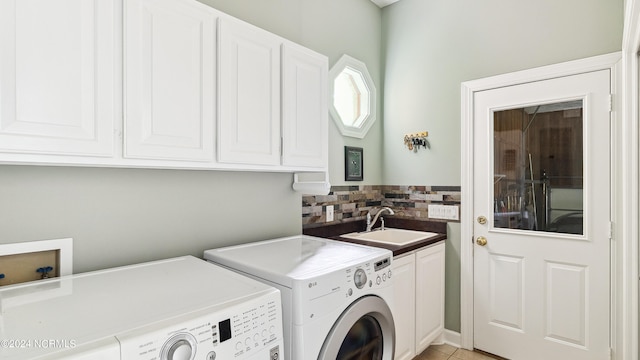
(624, 197)
(627, 327)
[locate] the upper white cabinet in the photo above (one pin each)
(273, 100)
(170, 69)
(249, 107)
(156, 83)
(304, 107)
(57, 77)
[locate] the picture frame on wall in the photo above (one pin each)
(353, 170)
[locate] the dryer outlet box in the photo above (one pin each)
(34, 260)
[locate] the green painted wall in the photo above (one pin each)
(124, 216)
(430, 47)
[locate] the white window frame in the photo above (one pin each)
(358, 66)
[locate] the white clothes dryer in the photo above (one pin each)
(336, 296)
(176, 309)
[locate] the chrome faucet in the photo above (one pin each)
(370, 223)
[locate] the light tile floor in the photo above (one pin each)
(448, 352)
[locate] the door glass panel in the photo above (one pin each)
(363, 341)
(538, 168)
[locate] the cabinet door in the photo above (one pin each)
(304, 107)
(169, 80)
(249, 105)
(429, 295)
(57, 76)
(404, 280)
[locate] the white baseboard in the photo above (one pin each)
(452, 338)
(448, 337)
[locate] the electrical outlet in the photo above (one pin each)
(329, 212)
(446, 212)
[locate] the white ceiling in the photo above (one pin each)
(383, 3)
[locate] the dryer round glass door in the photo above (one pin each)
(365, 330)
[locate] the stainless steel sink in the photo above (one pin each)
(391, 236)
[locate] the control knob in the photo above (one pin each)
(179, 347)
(360, 278)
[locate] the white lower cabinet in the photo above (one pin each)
(404, 303)
(418, 307)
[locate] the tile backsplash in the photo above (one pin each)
(352, 203)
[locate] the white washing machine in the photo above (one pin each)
(175, 309)
(336, 296)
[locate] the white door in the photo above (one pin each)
(170, 69)
(542, 218)
(249, 89)
(58, 76)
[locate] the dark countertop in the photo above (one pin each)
(335, 230)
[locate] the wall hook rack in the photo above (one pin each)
(415, 140)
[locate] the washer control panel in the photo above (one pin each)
(251, 329)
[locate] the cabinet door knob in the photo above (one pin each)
(481, 240)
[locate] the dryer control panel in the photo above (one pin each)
(369, 274)
(249, 330)
(332, 290)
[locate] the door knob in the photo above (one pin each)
(481, 240)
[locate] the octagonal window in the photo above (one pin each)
(352, 97)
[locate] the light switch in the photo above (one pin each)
(446, 212)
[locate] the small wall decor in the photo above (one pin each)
(416, 140)
(353, 164)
